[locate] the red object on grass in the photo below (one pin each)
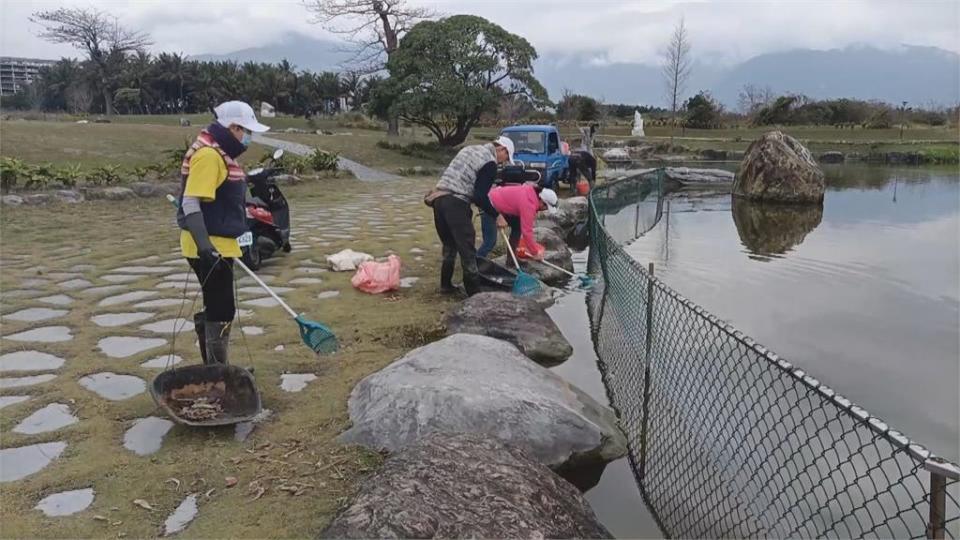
(583, 187)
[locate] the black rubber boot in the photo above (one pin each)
(198, 326)
(218, 341)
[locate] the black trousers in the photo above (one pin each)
(453, 220)
(216, 283)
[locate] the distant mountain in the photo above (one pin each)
(920, 75)
(304, 52)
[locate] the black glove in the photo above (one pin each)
(207, 254)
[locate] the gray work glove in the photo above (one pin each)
(198, 229)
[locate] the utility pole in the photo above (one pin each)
(903, 108)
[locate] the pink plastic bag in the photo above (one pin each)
(377, 277)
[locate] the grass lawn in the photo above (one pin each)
(94, 145)
(296, 448)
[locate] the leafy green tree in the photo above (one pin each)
(703, 112)
(445, 74)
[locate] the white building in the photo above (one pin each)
(15, 73)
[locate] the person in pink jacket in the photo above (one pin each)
(518, 205)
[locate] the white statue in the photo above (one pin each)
(637, 125)
(267, 110)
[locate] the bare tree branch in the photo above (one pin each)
(96, 33)
(676, 69)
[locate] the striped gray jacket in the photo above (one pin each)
(461, 175)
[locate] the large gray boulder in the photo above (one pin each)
(11, 200)
(465, 486)
(476, 384)
(521, 321)
(778, 168)
(574, 207)
(38, 198)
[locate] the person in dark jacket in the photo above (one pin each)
(466, 180)
(212, 218)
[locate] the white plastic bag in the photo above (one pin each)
(347, 260)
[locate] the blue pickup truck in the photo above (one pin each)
(539, 148)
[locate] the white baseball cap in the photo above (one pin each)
(507, 143)
(239, 113)
(549, 197)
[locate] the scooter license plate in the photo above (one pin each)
(245, 239)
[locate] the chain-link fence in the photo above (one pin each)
(727, 439)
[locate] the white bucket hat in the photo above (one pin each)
(507, 143)
(239, 113)
(549, 197)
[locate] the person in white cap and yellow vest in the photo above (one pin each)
(212, 216)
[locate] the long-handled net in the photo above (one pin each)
(525, 284)
(315, 335)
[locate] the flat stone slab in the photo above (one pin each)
(6, 401)
(181, 517)
(162, 362)
(168, 326)
(258, 290)
(140, 270)
(44, 334)
(295, 382)
(22, 461)
(56, 300)
(328, 294)
(476, 384)
(146, 435)
(124, 298)
(50, 418)
(112, 386)
(262, 302)
(66, 503)
(102, 290)
(120, 278)
(465, 486)
(124, 346)
(110, 320)
(29, 361)
(15, 382)
(160, 302)
(36, 314)
(252, 330)
(77, 283)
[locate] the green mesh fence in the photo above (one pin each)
(726, 439)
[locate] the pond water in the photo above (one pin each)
(864, 294)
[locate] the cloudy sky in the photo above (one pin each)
(604, 31)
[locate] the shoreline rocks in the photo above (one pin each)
(476, 384)
(520, 321)
(465, 486)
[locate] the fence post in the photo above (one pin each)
(646, 375)
(938, 505)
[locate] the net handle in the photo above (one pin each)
(510, 249)
(555, 267)
(264, 287)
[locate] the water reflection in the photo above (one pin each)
(767, 229)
